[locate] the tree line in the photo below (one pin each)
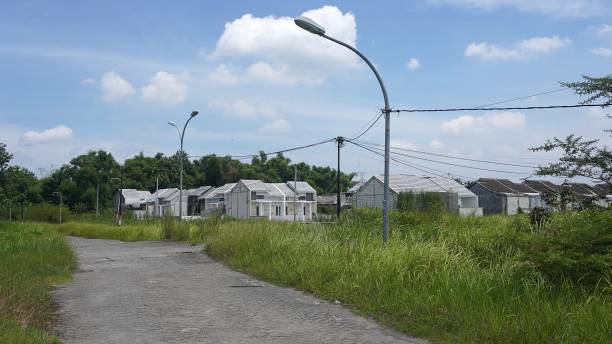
(99, 171)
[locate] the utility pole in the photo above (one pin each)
(120, 211)
(294, 193)
(98, 199)
(340, 142)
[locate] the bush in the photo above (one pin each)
(38, 212)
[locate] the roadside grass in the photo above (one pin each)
(32, 260)
(441, 277)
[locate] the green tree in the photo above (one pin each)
(582, 157)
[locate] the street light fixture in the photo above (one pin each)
(182, 136)
(312, 27)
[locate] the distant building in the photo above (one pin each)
(159, 204)
(195, 200)
(501, 196)
(591, 193)
(273, 201)
(543, 187)
(215, 198)
(456, 197)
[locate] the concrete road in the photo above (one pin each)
(168, 292)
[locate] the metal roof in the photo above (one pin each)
(541, 185)
(161, 194)
(271, 189)
(219, 191)
(198, 191)
(505, 186)
(134, 197)
(302, 187)
(406, 183)
(582, 189)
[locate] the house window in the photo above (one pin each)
(257, 211)
(278, 211)
(304, 210)
(286, 210)
(309, 196)
(253, 195)
(260, 197)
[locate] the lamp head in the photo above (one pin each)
(309, 25)
(171, 123)
(194, 113)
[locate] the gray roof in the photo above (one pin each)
(541, 185)
(162, 194)
(302, 187)
(135, 197)
(355, 188)
(221, 190)
(406, 183)
(505, 186)
(272, 189)
(198, 191)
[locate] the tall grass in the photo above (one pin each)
(32, 260)
(445, 278)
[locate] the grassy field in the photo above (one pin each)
(32, 260)
(480, 280)
(494, 279)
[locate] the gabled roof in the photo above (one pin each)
(505, 186)
(406, 183)
(221, 190)
(541, 186)
(270, 189)
(135, 197)
(582, 189)
(198, 191)
(606, 189)
(355, 188)
(302, 187)
(161, 194)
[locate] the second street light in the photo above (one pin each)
(314, 28)
(182, 136)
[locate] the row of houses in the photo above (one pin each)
(244, 199)
(485, 196)
(299, 201)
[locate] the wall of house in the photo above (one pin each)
(490, 202)
(371, 195)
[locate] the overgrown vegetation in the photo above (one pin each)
(32, 260)
(490, 279)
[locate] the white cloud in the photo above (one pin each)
(403, 144)
(241, 108)
(604, 30)
(469, 124)
(521, 50)
(166, 89)
(556, 8)
(223, 75)
(61, 132)
(114, 87)
(436, 144)
(89, 82)
(413, 64)
(602, 51)
(282, 52)
(278, 126)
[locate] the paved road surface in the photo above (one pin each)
(167, 292)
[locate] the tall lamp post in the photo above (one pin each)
(312, 27)
(182, 136)
(60, 205)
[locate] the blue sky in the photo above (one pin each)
(109, 74)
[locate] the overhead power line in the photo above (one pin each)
(452, 164)
(524, 97)
(452, 156)
(368, 128)
(504, 108)
(241, 157)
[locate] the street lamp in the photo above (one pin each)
(182, 136)
(60, 205)
(312, 27)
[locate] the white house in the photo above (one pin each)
(160, 203)
(457, 198)
(274, 201)
(215, 198)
